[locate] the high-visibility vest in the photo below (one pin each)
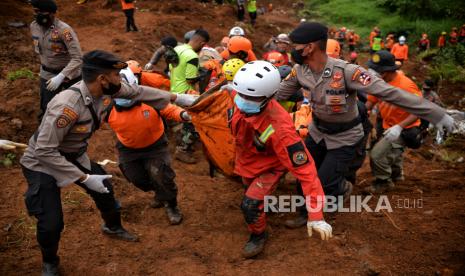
(376, 44)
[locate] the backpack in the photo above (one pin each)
(171, 57)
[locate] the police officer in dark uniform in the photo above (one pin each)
(59, 50)
(336, 129)
(56, 155)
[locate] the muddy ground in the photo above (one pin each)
(411, 240)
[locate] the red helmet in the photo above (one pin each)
(134, 66)
(276, 58)
(239, 43)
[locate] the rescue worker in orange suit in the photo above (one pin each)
(389, 42)
(144, 156)
(151, 79)
(239, 47)
(129, 8)
(442, 40)
(336, 129)
(453, 36)
(275, 58)
(424, 43)
(352, 40)
(400, 50)
(267, 146)
(400, 127)
(281, 44)
(373, 34)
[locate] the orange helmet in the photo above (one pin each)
(276, 58)
(333, 49)
(239, 43)
(134, 66)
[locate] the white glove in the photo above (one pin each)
(95, 182)
(446, 122)
(456, 114)
(10, 145)
(186, 117)
(322, 227)
(55, 82)
(185, 99)
(148, 66)
(393, 133)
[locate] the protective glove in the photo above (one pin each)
(186, 117)
(446, 122)
(322, 227)
(10, 145)
(95, 182)
(148, 66)
(393, 133)
(55, 82)
(185, 99)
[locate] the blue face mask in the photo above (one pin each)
(124, 102)
(246, 106)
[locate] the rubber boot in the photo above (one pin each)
(50, 269)
(255, 245)
(114, 229)
(173, 213)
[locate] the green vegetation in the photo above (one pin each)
(408, 17)
(23, 73)
(446, 64)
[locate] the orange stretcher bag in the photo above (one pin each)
(210, 116)
(302, 119)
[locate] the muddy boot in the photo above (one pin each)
(173, 213)
(185, 156)
(50, 269)
(255, 245)
(379, 186)
(113, 228)
(156, 203)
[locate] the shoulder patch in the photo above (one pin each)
(327, 73)
(356, 74)
(292, 74)
(66, 117)
(364, 79)
(297, 154)
(67, 35)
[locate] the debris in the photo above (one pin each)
(17, 24)
(106, 162)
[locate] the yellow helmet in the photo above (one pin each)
(230, 68)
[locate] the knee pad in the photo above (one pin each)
(252, 209)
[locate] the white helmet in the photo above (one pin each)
(236, 31)
(402, 38)
(256, 79)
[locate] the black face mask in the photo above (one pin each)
(112, 89)
(43, 19)
(297, 56)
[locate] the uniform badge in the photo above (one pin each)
(336, 85)
(334, 100)
(297, 154)
(356, 74)
(81, 129)
(337, 76)
(336, 108)
(66, 117)
(327, 73)
(55, 35)
(375, 58)
(67, 35)
(364, 79)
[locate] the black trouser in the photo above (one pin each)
(130, 23)
(253, 17)
(360, 153)
(240, 12)
(46, 95)
(332, 165)
(43, 200)
(153, 174)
